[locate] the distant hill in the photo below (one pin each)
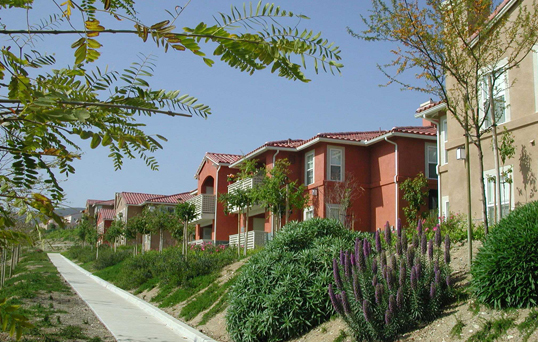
(67, 211)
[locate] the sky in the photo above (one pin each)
(247, 110)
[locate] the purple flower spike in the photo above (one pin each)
(393, 263)
(374, 266)
(416, 241)
(365, 244)
(383, 259)
(374, 281)
(432, 290)
(389, 278)
(358, 247)
(430, 249)
(410, 257)
(335, 301)
(438, 237)
(414, 278)
(399, 246)
(448, 281)
(418, 267)
(404, 243)
(436, 266)
(388, 317)
(403, 274)
(378, 293)
(437, 277)
(342, 258)
(447, 249)
(353, 260)
(366, 311)
(388, 237)
(399, 228)
(399, 298)
(360, 260)
(423, 244)
(345, 302)
(336, 273)
(392, 304)
(378, 241)
(419, 227)
(347, 266)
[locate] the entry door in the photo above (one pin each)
(206, 232)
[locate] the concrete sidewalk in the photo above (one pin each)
(129, 318)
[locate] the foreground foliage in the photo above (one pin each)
(505, 272)
(386, 289)
(281, 292)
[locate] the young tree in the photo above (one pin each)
(278, 194)
(460, 54)
(415, 194)
(84, 230)
(186, 212)
(44, 110)
(115, 231)
(344, 193)
(159, 219)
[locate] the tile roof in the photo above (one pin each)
(106, 214)
(423, 130)
(177, 198)
(428, 105)
(137, 198)
(352, 136)
(222, 158)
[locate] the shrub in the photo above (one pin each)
(381, 292)
(505, 271)
(455, 225)
(281, 292)
(107, 257)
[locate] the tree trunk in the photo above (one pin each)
(97, 252)
(469, 208)
(246, 233)
(2, 267)
(498, 198)
(12, 264)
(185, 234)
(482, 184)
(239, 234)
(287, 203)
(160, 240)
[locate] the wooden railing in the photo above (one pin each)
(254, 238)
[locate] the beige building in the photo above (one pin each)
(518, 89)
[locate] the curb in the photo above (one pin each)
(172, 323)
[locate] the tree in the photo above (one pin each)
(459, 54)
(344, 193)
(186, 212)
(415, 194)
(159, 219)
(278, 194)
(44, 109)
(115, 231)
(84, 230)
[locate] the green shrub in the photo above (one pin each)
(505, 271)
(455, 225)
(282, 291)
(107, 257)
(382, 292)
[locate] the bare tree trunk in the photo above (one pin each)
(287, 203)
(185, 242)
(498, 198)
(2, 267)
(495, 213)
(246, 233)
(12, 264)
(469, 208)
(160, 240)
(482, 184)
(97, 252)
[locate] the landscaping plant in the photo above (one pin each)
(505, 272)
(385, 289)
(281, 292)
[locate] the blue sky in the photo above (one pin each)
(247, 110)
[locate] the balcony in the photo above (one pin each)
(254, 238)
(245, 184)
(205, 209)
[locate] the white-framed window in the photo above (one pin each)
(309, 168)
(431, 161)
(335, 163)
(499, 78)
(308, 213)
(506, 191)
(442, 141)
(334, 211)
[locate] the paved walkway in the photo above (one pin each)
(128, 318)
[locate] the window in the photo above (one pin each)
(308, 213)
(431, 160)
(445, 207)
(498, 77)
(309, 168)
(506, 191)
(334, 211)
(443, 140)
(336, 164)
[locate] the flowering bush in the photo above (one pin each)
(384, 289)
(455, 225)
(207, 247)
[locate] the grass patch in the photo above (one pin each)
(148, 285)
(205, 300)
(111, 273)
(72, 332)
(474, 307)
(492, 330)
(457, 329)
(341, 337)
(192, 287)
(529, 325)
(219, 307)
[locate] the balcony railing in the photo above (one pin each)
(254, 238)
(244, 184)
(205, 207)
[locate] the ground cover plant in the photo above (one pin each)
(505, 271)
(281, 291)
(385, 289)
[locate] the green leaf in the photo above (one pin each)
(96, 140)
